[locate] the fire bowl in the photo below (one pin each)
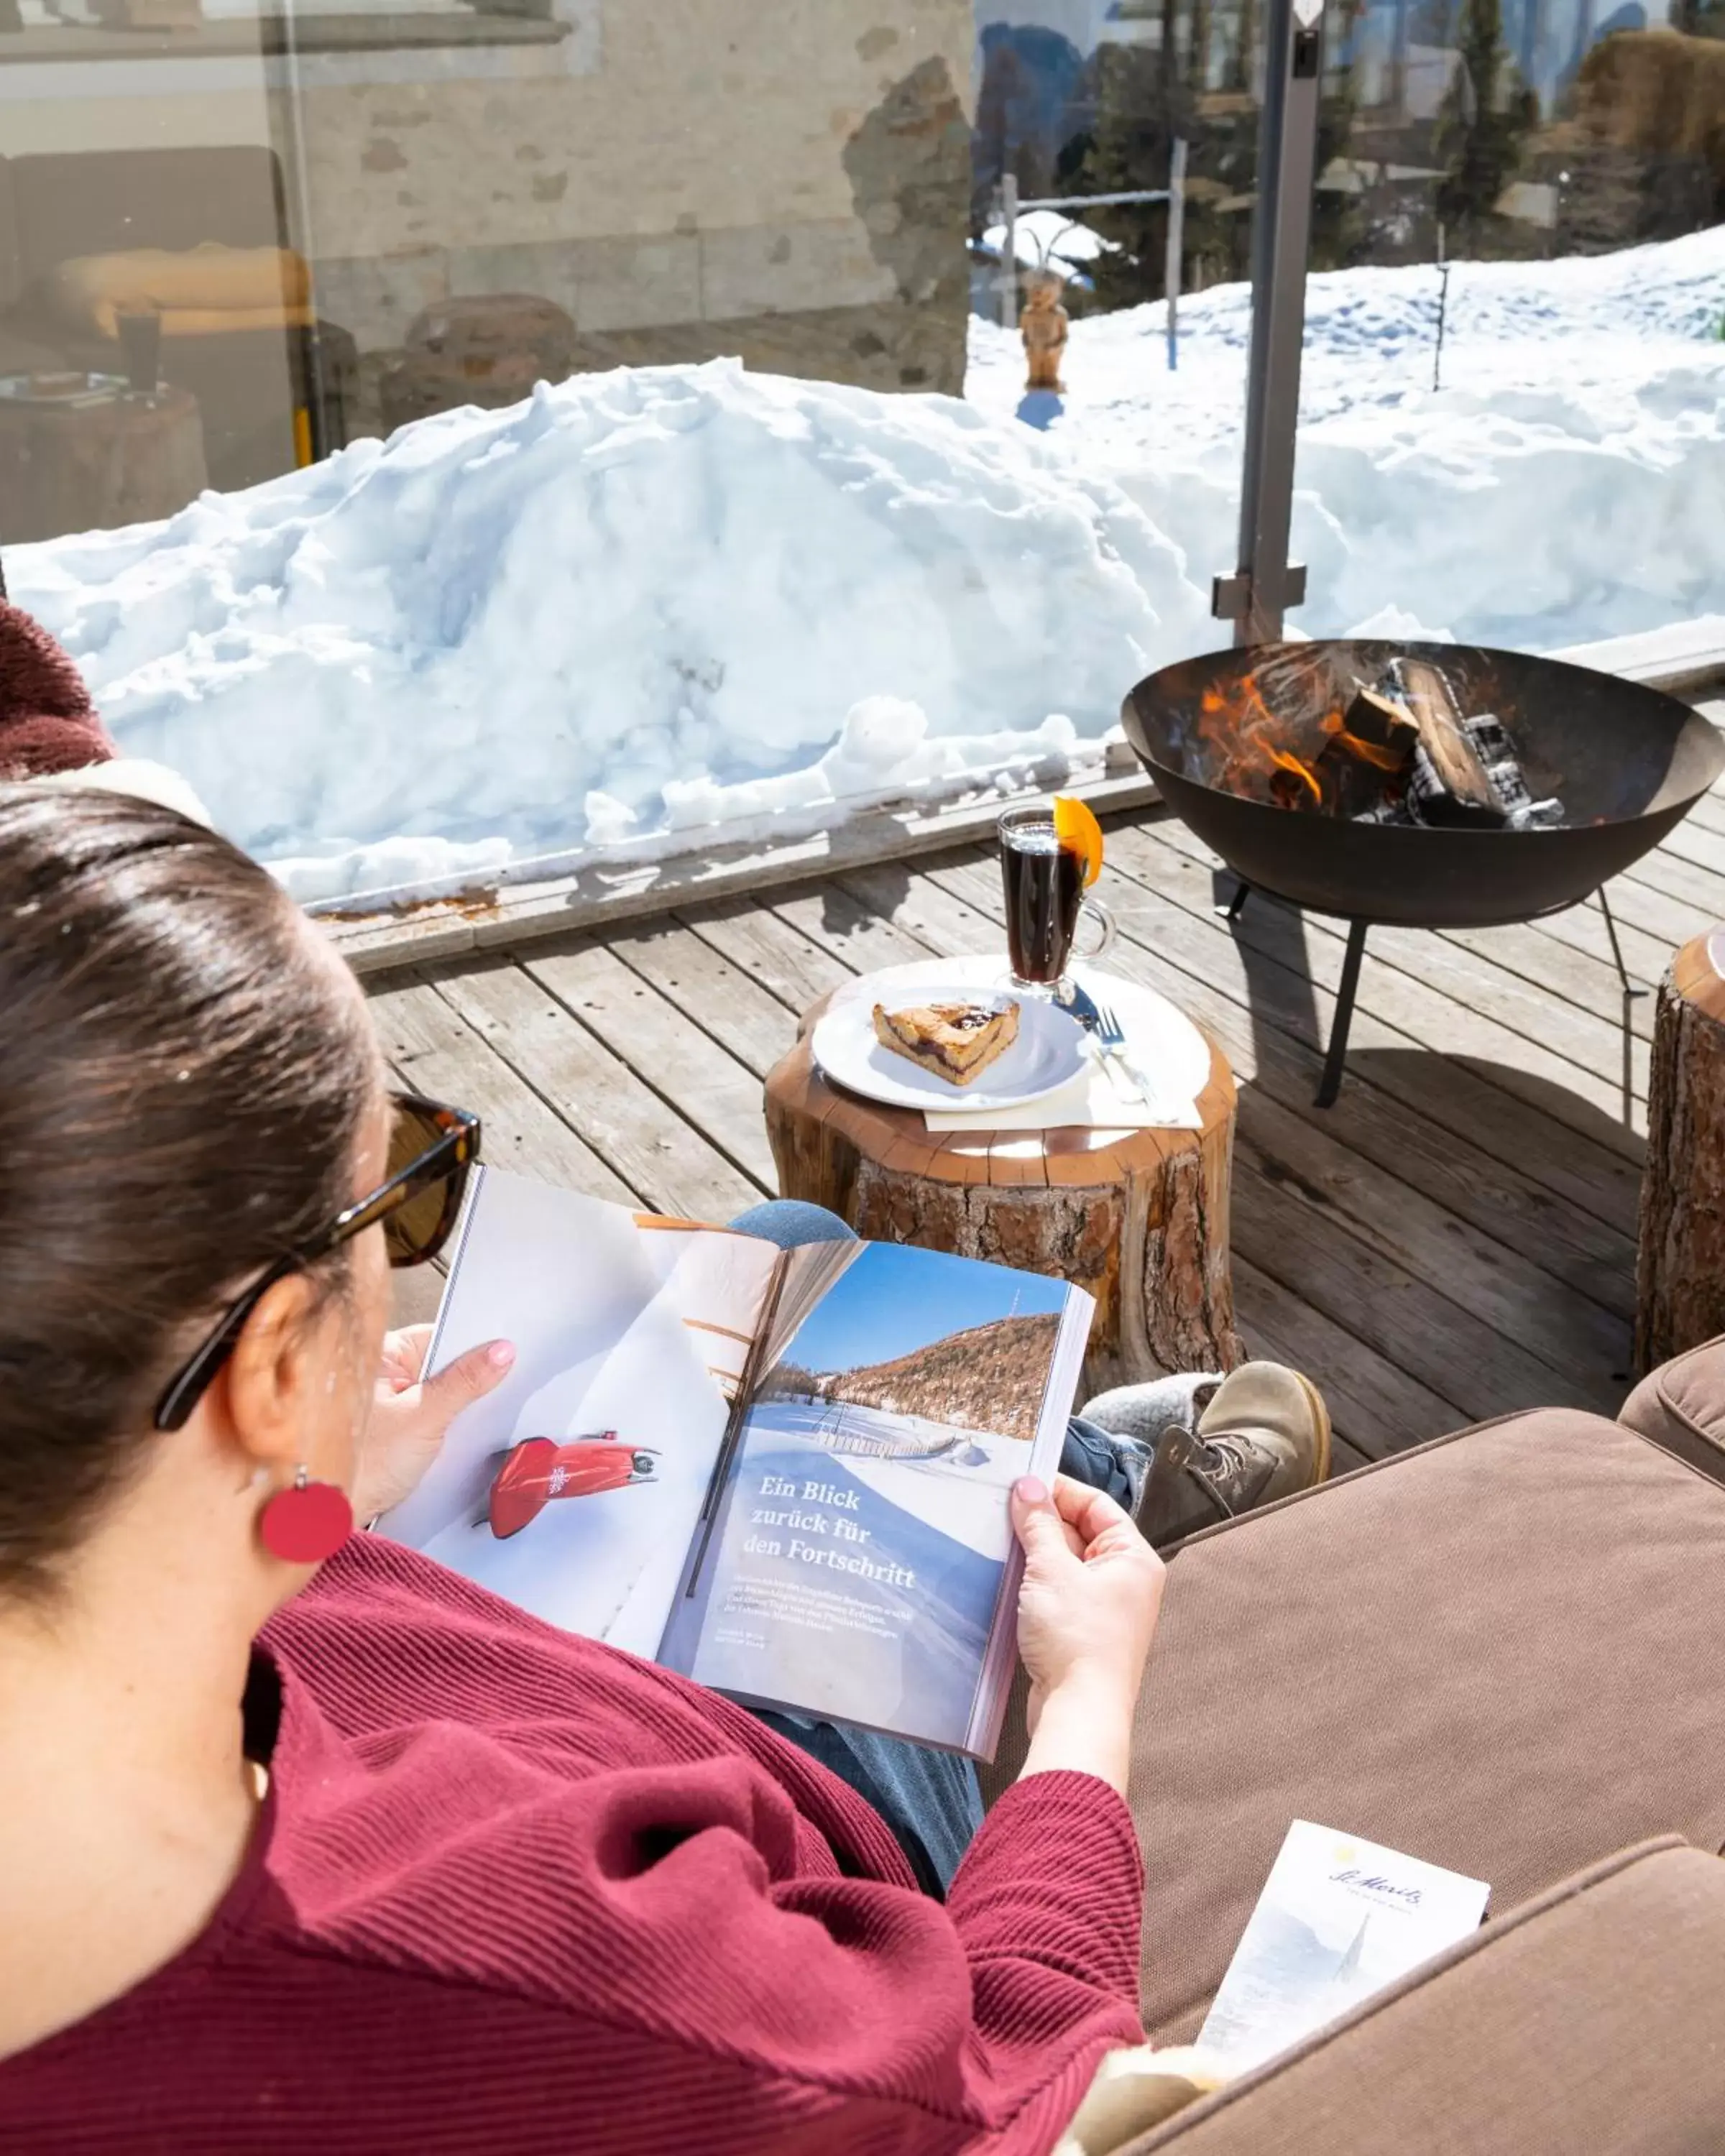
(1627, 762)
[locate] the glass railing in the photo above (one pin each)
(897, 357)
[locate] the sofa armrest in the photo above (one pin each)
(1681, 1406)
(1586, 2020)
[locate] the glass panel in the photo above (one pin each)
(1511, 409)
(788, 535)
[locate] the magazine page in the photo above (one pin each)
(576, 1489)
(860, 1564)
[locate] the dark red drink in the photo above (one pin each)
(1043, 882)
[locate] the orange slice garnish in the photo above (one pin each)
(1078, 832)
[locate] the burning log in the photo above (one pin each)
(1456, 764)
(1384, 730)
(1362, 768)
(1367, 755)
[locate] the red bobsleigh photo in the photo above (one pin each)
(530, 1475)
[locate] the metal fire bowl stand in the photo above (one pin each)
(1628, 763)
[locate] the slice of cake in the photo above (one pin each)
(953, 1040)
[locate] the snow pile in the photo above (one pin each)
(1560, 487)
(643, 600)
(674, 599)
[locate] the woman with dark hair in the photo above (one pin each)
(349, 1855)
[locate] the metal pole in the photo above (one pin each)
(317, 443)
(1176, 242)
(1437, 355)
(1266, 583)
(1010, 251)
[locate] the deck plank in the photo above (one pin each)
(846, 929)
(1669, 920)
(437, 1051)
(777, 956)
(1583, 928)
(1709, 812)
(1375, 1405)
(751, 1025)
(668, 1161)
(1701, 890)
(1286, 1234)
(1283, 952)
(1552, 966)
(1694, 841)
(713, 1093)
(1514, 1296)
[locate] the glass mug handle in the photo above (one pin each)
(1107, 926)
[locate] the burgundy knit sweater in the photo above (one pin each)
(513, 1893)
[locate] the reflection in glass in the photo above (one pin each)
(1511, 402)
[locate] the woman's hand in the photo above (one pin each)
(1087, 1610)
(410, 1415)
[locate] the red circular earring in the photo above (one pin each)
(307, 1523)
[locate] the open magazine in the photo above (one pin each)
(782, 1473)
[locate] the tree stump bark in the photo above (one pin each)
(1139, 1219)
(1680, 1287)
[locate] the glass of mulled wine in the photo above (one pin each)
(1043, 879)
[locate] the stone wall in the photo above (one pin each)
(788, 182)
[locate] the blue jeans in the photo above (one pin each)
(931, 1800)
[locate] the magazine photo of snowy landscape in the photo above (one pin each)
(863, 1536)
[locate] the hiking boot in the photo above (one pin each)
(1261, 1433)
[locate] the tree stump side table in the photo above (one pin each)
(1680, 1284)
(1138, 1218)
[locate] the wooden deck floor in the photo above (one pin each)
(1456, 1238)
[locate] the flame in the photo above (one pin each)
(1303, 772)
(1265, 740)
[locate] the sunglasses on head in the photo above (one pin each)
(431, 1148)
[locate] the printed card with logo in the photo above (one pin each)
(1338, 1919)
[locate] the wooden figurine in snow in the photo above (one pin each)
(1043, 327)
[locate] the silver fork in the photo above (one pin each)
(1112, 1038)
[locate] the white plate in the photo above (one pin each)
(1048, 1053)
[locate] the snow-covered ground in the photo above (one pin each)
(650, 602)
(1562, 486)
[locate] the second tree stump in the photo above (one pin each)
(1679, 1286)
